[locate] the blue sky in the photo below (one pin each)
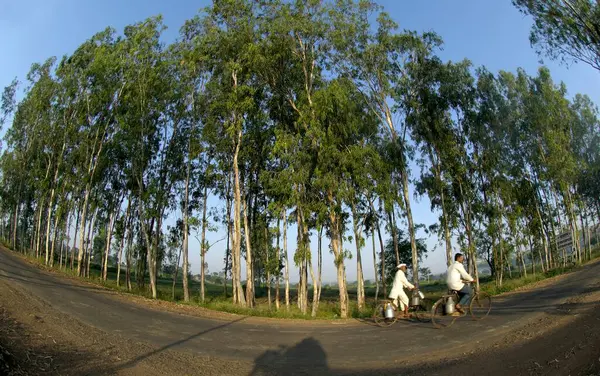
(488, 32)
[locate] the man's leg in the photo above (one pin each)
(403, 301)
(465, 295)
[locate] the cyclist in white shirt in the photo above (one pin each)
(455, 279)
(397, 293)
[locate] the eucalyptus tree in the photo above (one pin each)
(152, 132)
(377, 59)
(565, 29)
(440, 91)
(230, 36)
(192, 75)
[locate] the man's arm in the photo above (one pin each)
(464, 274)
(406, 283)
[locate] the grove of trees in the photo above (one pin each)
(318, 115)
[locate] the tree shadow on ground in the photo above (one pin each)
(134, 362)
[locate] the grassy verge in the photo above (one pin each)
(328, 307)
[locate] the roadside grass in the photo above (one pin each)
(328, 306)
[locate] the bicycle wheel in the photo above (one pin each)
(379, 316)
(423, 311)
(439, 318)
(480, 306)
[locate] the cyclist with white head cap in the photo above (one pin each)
(397, 293)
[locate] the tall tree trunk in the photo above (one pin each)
(268, 264)
(315, 305)
(435, 158)
(301, 254)
(109, 240)
(287, 262)
(75, 237)
(90, 246)
(38, 231)
(15, 225)
(375, 266)
(544, 235)
(338, 254)
(122, 242)
(186, 236)
(307, 261)
(572, 223)
(66, 236)
(175, 275)
(411, 227)
(48, 225)
(320, 267)
(83, 223)
(55, 232)
(382, 248)
(277, 262)
(228, 249)
(467, 214)
(128, 256)
(583, 232)
(203, 243)
(358, 242)
(249, 261)
(589, 241)
(238, 297)
(61, 250)
(392, 222)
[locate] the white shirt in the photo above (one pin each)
(456, 273)
(400, 282)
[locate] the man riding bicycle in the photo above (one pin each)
(456, 278)
(397, 293)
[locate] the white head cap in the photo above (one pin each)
(400, 265)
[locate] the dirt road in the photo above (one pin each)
(68, 327)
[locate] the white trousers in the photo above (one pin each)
(403, 298)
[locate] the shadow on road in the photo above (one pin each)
(305, 358)
(133, 362)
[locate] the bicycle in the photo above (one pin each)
(418, 311)
(479, 307)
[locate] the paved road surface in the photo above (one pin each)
(263, 341)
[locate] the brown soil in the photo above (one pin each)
(35, 339)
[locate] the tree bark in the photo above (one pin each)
(338, 257)
(277, 262)
(75, 237)
(249, 261)
(109, 241)
(411, 228)
(39, 226)
(228, 249)
(287, 262)
(186, 236)
(55, 234)
(238, 297)
(203, 244)
(175, 275)
(122, 242)
(90, 246)
(392, 222)
(358, 240)
(268, 264)
(83, 223)
(375, 266)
